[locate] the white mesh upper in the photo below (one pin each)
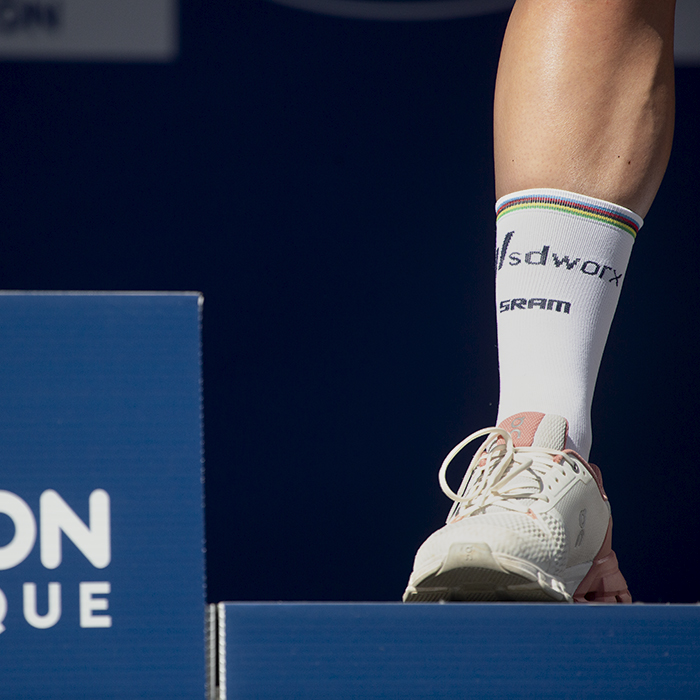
(533, 502)
(551, 433)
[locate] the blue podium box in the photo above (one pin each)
(324, 651)
(101, 521)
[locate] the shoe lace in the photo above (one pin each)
(501, 474)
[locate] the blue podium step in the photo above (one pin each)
(285, 651)
(101, 527)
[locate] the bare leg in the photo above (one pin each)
(583, 128)
(585, 99)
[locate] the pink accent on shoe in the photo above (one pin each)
(604, 583)
(522, 427)
(595, 470)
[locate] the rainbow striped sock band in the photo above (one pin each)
(570, 203)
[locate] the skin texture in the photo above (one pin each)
(585, 99)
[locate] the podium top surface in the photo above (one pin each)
(430, 650)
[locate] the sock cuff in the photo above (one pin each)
(572, 204)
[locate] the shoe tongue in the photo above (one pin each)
(537, 430)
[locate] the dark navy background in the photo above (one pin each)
(327, 183)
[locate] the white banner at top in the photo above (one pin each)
(89, 30)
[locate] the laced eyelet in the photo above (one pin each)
(501, 473)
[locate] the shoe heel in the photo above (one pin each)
(604, 583)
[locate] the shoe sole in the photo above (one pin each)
(489, 576)
(477, 585)
(473, 572)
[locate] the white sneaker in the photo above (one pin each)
(531, 521)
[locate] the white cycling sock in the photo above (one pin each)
(560, 261)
